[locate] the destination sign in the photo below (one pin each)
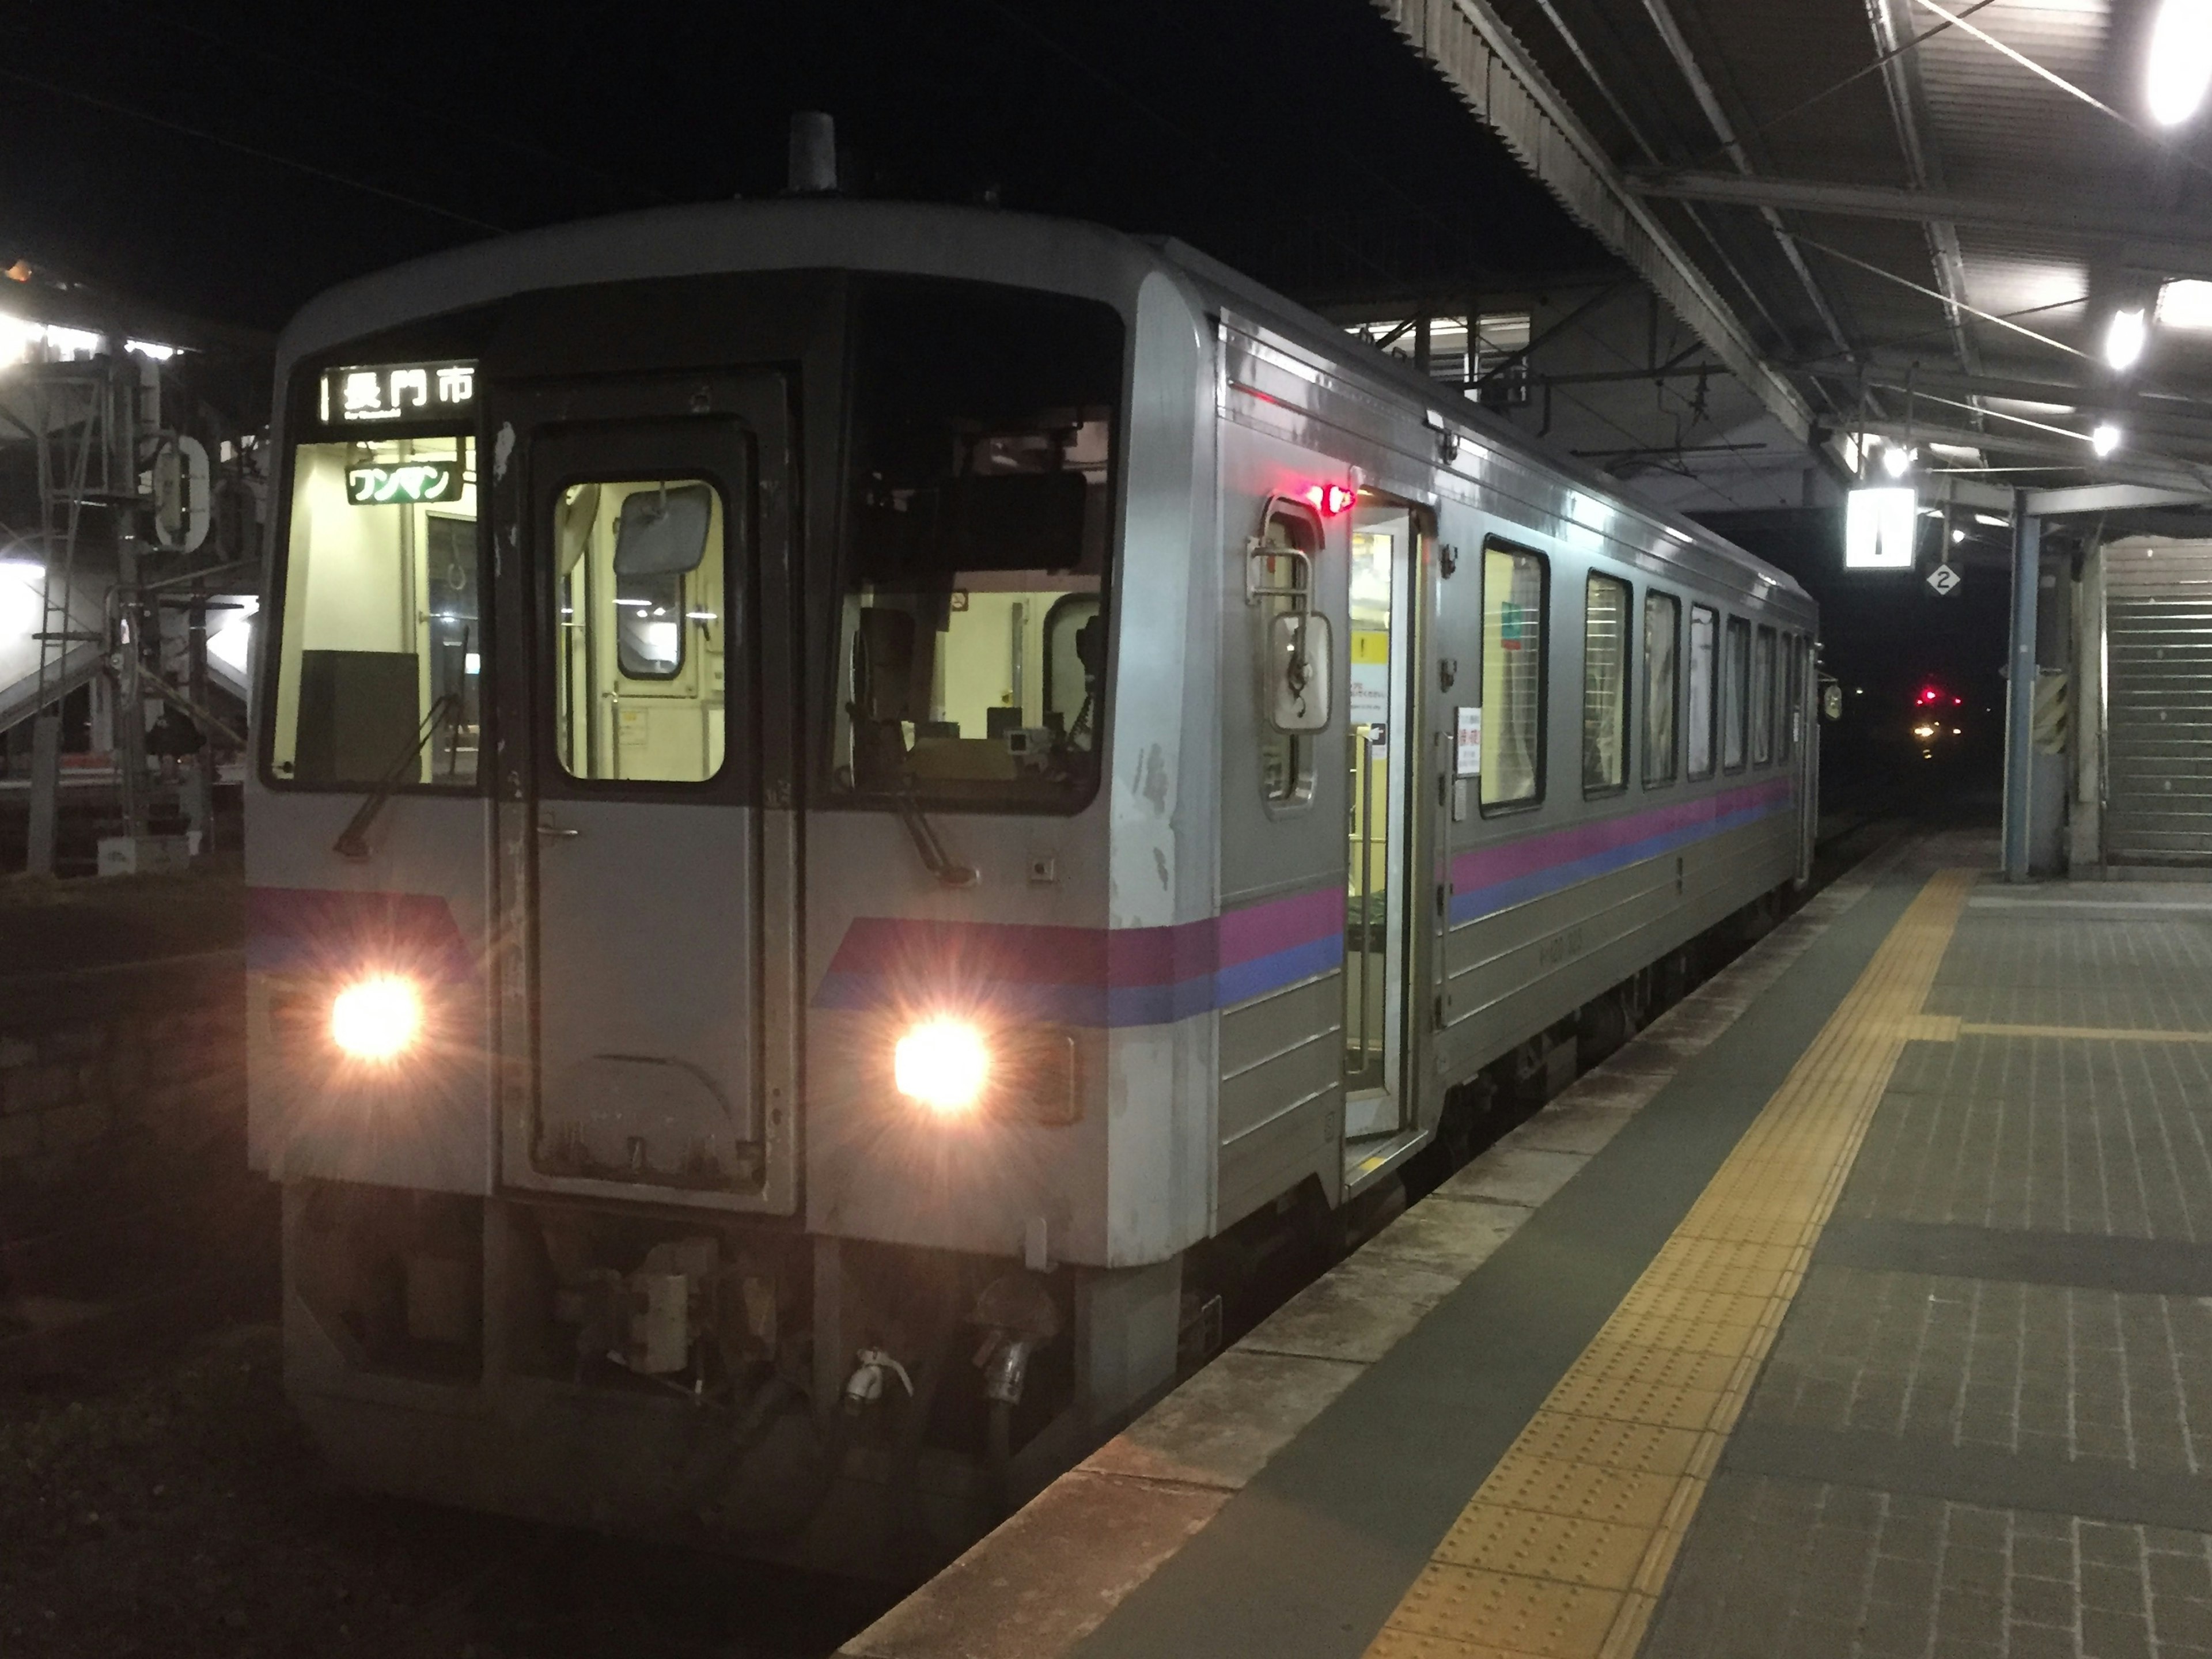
(403, 482)
(380, 395)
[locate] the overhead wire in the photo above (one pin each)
(1855, 77)
(1907, 281)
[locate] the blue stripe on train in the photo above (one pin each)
(1478, 902)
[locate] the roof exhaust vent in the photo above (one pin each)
(813, 153)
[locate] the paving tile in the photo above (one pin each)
(1074, 1552)
(1208, 1433)
(1514, 1175)
(1356, 1312)
(1451, 1235)
(1582, 1129)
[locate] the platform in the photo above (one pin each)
(1862, 1305)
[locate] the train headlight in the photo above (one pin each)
(377, 1019)
(942, 1064)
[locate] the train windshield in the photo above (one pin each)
(978, 510)
(382, 636)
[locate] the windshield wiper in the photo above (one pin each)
(353, 840)
(923, 834)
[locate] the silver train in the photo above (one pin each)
(847, 789)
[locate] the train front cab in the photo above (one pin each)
(679, 693)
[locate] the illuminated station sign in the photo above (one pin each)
(385, 394)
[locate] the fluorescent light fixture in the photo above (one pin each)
(1879, 527)
(2181, 60)
(2185, 302)
(1993, 520)
(1895, 457)
(159, 353)
(2125, 334)
(2106, 438)
(68, 342)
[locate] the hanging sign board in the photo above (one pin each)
(1943, 579)
(403, 482)
(1879, 527)
(385, 394)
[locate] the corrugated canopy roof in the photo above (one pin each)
(1923, 213)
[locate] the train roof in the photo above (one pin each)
(981, 244)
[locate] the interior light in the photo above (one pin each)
(2180, 59)
(71, 343)
(2125, 334)
(2106, 438)
(1895, 458)
(377, 1019)
(2185, 302)
(942, 1064)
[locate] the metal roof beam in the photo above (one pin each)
(1908, 108)
(2186, 417)
(1493, 74)
(1686, 62)
(2110, 498)
(1925, 207)
(2161, 470)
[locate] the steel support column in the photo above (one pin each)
(2019, 686)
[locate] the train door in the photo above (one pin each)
(653, 926)
(1383, 759)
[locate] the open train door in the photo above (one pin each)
(1387, 836)
(656, 523)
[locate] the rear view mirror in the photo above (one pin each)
(663, 533)
(1298, 656)
(1832, 701)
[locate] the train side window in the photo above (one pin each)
(1735, 693)
(639, 585)
(1284, 583)
(1606, 604)
(1785, 732)
(1515, 594)
(1662, 644)
(1762, 698)
(382, 641)
(1705, 641)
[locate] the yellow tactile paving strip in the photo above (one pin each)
(1562, 1552)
